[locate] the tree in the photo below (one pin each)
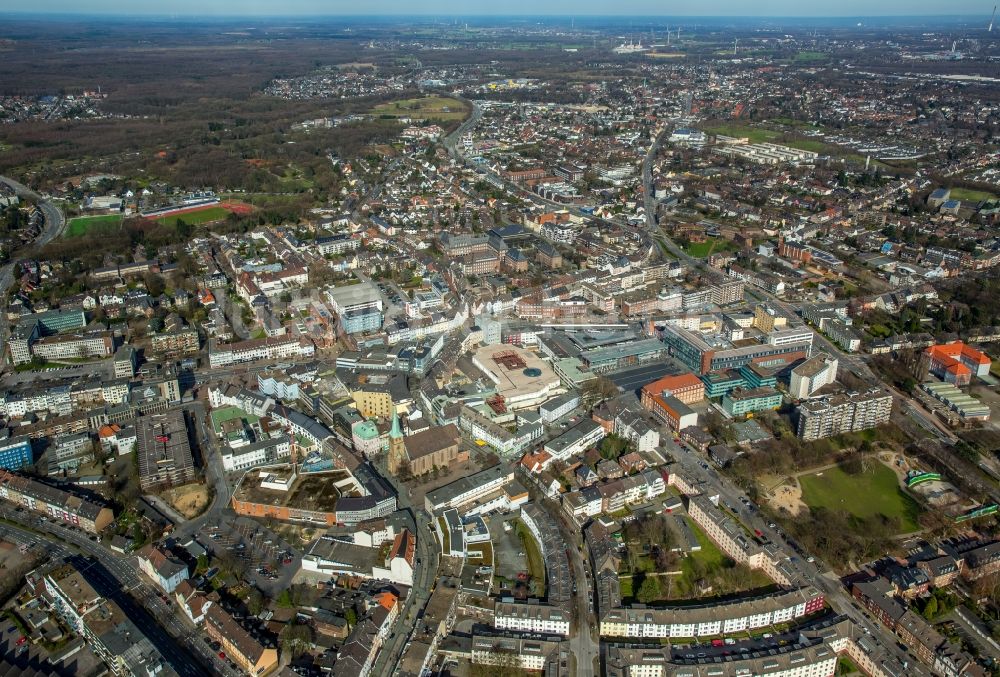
(154, 284)
(649, 590)
(202, 565)
(255, 601)
(931, 608)
(351, 616)
(501, 663)
(296, 638)
(184, 229)
(598, 389)
(612, 446)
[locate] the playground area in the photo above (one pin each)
(189, 500)
(876, 490)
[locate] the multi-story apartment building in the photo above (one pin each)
(502, 440)
(575, 440)
(843, 333)
(811, 375)
(164, 569)
(335, 244)
(179, 341)
(70, 346)
(268, 348)
(55, 502)
(238, 644)
(814, 653)
(554, 409)
(468, 489)
(847, 413)
(109, 632)
(526, 652)
(124, 362)
(533, 618)
(717, 618)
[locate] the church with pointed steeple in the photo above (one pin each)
(397, 446)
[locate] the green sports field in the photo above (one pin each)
(867, 494)
(970, 195)
(208, 215)
(82, 225)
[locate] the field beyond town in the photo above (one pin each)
(423, 108)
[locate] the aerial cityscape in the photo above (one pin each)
(499, 344)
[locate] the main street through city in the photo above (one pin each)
(426, 567)
(712, 484)
(118, 578)
(54, 224)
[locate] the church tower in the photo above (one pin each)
(397, 446)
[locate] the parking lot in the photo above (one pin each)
(631, 380)
(508, 554)
(270, 562)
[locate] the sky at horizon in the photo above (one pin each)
(666, 8)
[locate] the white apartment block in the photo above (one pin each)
(535, 618)
(264, 452)
(843, 414)
(271, 348)
(811, 375)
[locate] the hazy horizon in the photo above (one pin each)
(552, 8)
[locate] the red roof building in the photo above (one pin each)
(687, 388)
(957, 363)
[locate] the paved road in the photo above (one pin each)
(425, 572)
(54, 224)
(214, 473)
(451, 141)
(711, 484)
(584, 639)
(117, 577)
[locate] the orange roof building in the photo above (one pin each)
(536, 462)
(687, 388)
(957, 362)
(386, 600)
(109, 430)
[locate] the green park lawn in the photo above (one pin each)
(82, 225)
(700, 250)
(867, 494)
(970, 195)
(807, 56)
